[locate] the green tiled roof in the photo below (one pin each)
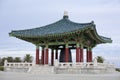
(60, 27)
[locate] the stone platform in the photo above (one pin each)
(32, 76)
(60, 71)
(61, 68)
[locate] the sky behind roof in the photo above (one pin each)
(26, 14)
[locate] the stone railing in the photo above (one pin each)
(83, 65)
(105, 65)
(18, 66)
(75, 65)
(85, 68)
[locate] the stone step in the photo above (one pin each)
(42, 69)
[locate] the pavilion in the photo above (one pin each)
(62, 35)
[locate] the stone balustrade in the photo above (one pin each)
(18, 66)
(83, 65)
(60, 67)
(85, 68)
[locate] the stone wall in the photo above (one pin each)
(83, 70)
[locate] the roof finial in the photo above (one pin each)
(92, 22)
(65, 13)
(65, 16)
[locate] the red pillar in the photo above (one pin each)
(56, 56)
(89, 55)
(46, 55)
(66, 53)
(77, 53)
(37, 54)
(42, 57)
(81, 55)
(52, 57)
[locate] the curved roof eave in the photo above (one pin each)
(101, 38)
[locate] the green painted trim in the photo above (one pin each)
(77, 45)
(81, 46)
(37, 46)
(42, 48)
(46, 46)
(66, 45)
(89, 48)
(57, 43)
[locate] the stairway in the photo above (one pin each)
(40, 69)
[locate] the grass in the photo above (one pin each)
(1, 68)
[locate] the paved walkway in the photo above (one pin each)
(28, 76)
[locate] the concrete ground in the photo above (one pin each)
(28, 76)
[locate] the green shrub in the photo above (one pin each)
(1, 68)
(118, 69)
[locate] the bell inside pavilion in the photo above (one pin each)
(63, 35)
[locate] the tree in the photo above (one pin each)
(17, 59)
(10, 59)
(28, 58)
(2, 61)
(100, 59)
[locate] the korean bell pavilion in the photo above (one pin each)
(59, 38)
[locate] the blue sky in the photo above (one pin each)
(25, 14)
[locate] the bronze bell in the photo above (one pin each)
(62, 56)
